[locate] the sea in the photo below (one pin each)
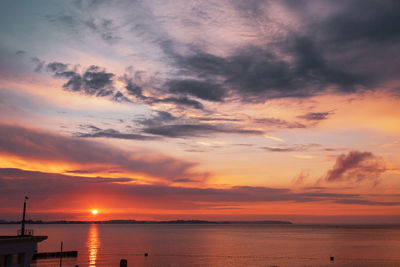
(218, 244)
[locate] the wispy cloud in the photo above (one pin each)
(316, 116)
(16, 182)
(290, 148)
(31, 144)
(192, 130)
(356, 166)
(111, 133)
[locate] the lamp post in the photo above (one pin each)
(23, 218)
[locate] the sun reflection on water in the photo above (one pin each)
(93, 244)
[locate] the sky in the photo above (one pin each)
(211, 110)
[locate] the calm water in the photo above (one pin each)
(220, 245)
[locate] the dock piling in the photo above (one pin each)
(123, 263)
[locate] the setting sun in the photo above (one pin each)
(94, 212)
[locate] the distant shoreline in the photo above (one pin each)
(147, 222)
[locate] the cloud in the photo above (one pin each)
(133, 89)
(357, 167)
(39, 64)
(105, 28)
(315, 116)
(164, 124)
(81, 21)
(20, 53)
(79, 171)
(119, 97)
(366, 202)
(367, 21)
(31, 144)
(111, 133)
(137, 91)
(290, 148)
(256, 73)
(219, 119)
(300, 179)
(274, 122)
(93, 80)
(61, 189)
(312, 67)
(356, 36)
(161, 117)
(180, 101)
(336, 47)
(191, 130)
(200, 89)
(331, 49)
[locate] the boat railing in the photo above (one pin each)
(27, 232)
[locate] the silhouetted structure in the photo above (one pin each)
(23, 218)
(123, 263)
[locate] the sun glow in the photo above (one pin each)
(94, 212)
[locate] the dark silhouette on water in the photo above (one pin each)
(53, 255)
(123, 263)
(23, 218)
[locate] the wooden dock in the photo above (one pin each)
(51, 255)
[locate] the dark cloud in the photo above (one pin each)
(366, 202)
(61, 189)
(164, 124)
(257, 73)
(58, 68)
(39, 64)
(96, 81)
(93, 80)
(119, 97)
(250, 8)
(30, 144)
(137, 91)
(274, 122)
(218, 119)
(181, 101)
(356, 166)
(134, 89)
(315, 116)
(20, 52)
(31, 175)
(90, 127)
(160, 118)
(313, 69)
(365, 21)
(191, 130)
(111, 133)
(54, 185)
(346, 50)
(357, 37)
(203, 90)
